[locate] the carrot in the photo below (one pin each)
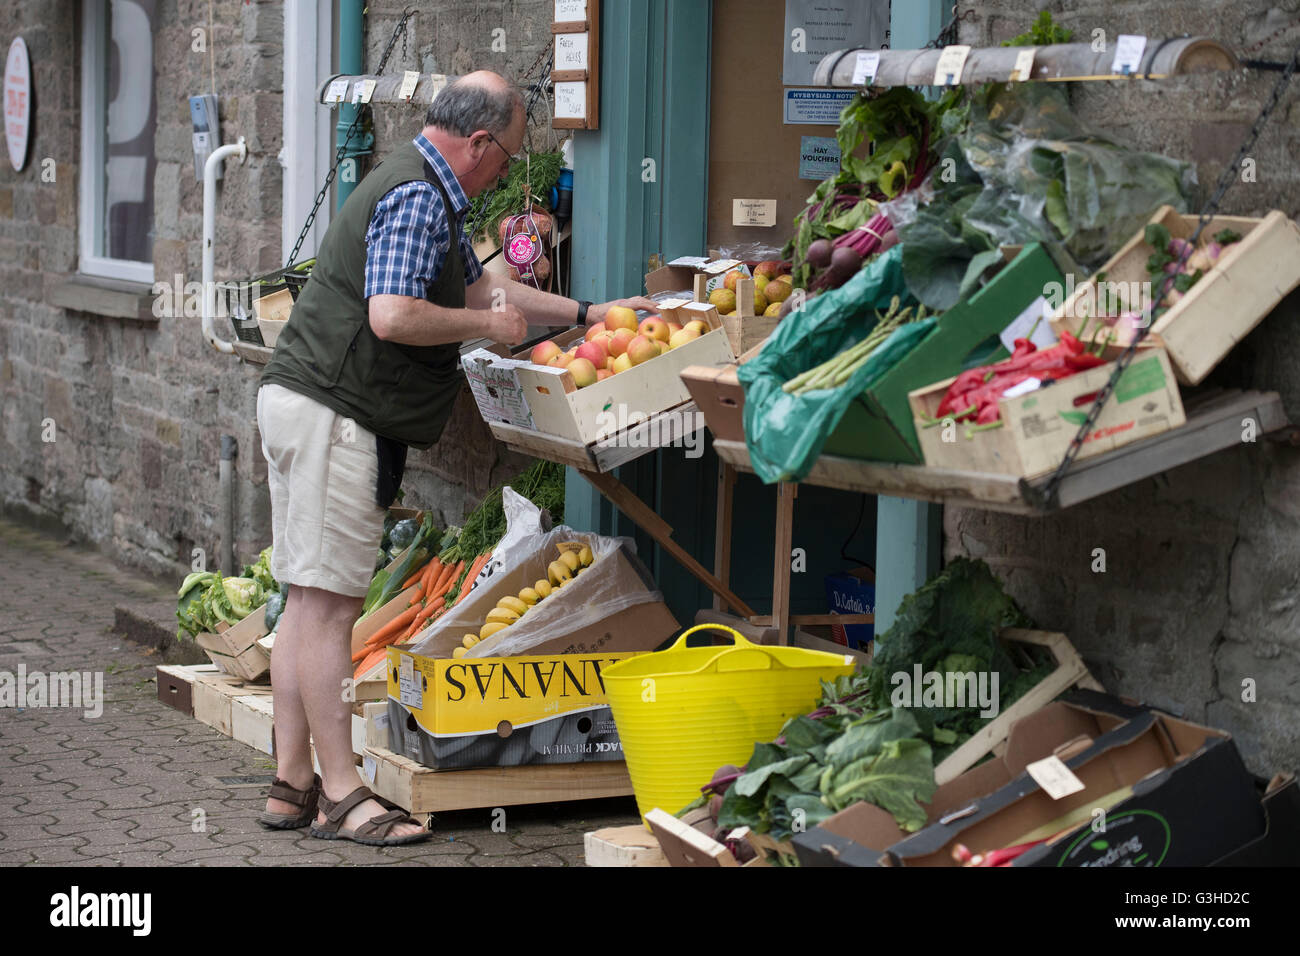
(446, 576)
(419, 573)
(430, 575)
(365, 651)
(474, 569)
(394, 626)
(369, 662)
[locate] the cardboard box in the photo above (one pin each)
(1245, 284)
(500, 711)
(544, 399)
(879, 425)
(1191, 800)
(1038, 427)
(1279, 845)
(235, 649)
(639, 627)
(852, 592)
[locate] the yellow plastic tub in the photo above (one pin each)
(684, 712)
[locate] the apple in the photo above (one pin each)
(622, 363)
(594, 331)
(682, 336)
(732, 277)
(609, 363)
(673, 328)
(594, 352)
(560, 360)
(620, 317)
(584, 373)
(654, 328)
(771, 269)
(641, 350)
(543, 352)
(661, 345)
(602, 374)
(699, 325)
(619, 340)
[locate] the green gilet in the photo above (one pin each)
(328, 351)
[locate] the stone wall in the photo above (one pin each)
(1201, 590)
(139, 406)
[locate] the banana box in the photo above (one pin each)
(456, 713)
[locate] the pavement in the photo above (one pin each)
(142, 784)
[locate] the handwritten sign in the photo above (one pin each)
(18, 102)
(410, 80)
(753, 212)
(571, 51)
(947, 72)
(1024, 67)
(571, 100)
(337, 92)
(1128, 53)
(865, 67)
(570, 11)
(362, 91)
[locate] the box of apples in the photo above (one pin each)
(587, 384)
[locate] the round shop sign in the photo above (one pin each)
(18, 102)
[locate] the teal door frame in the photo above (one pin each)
(641, 179)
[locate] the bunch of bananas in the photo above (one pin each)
(575, 556)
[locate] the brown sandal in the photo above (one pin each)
(374, 832)
(307, 799)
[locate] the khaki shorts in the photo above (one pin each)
(322, 469)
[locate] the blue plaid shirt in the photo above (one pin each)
(410, 233)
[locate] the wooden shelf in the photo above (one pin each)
(1214, 422)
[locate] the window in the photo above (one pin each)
(118, 117)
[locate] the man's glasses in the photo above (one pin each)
(509, 156)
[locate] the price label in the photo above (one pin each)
(571, 51)
(337, 92)
(1024, 67)
(753, 212)
(1054, 777)
(369, 767)
(362, 91)
(571, 100)
(410, 79)
(1128, 53)
(864, 69)
(947, 72)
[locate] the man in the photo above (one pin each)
(367, 367)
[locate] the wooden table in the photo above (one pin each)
(595, 462)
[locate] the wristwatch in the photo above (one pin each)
(583, 306)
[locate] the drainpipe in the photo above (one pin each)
(226, 477)
(351, 63)
(209, 233)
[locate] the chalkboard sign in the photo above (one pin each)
(576, 73)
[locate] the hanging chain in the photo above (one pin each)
(948, 35)
(399, 30)
(1046, 497)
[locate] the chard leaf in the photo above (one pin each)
(738, 811)
(750, 783)
(895, 780)
(814, 809)
(866, 740)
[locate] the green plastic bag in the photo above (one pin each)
(785, 433)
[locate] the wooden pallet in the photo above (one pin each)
(623, 846)
(239, 710)
(420, 790)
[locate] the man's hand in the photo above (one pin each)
(508, 325)
(596, 313)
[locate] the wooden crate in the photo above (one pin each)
(623, 846)
(235, 650)
(419, 789)
(1070, 672)
(1249, 280)
(271, 329)
(214, 696)
(718, 394)
(275, 307)
(176, 685)
(1038, 427)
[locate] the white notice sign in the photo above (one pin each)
(814, 28)
(570, 11)
(864, 70)
(571, 100)
(337, 92)
(571, 51)
(753, 212)
(410, 79)
(1055, 777)
(1128, 53)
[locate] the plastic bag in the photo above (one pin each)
(523, 521)
(784, 432)
(597, 593)
(749, 252)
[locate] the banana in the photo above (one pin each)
(529, 596)
(559, 573)
(511, 603)
(490, 628)
(570, 560)
(468, 641)
(585, 557)
(501, 615)
(458, 651)
(543, 588)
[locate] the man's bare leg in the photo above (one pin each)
(320, 637)
(292, 737)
